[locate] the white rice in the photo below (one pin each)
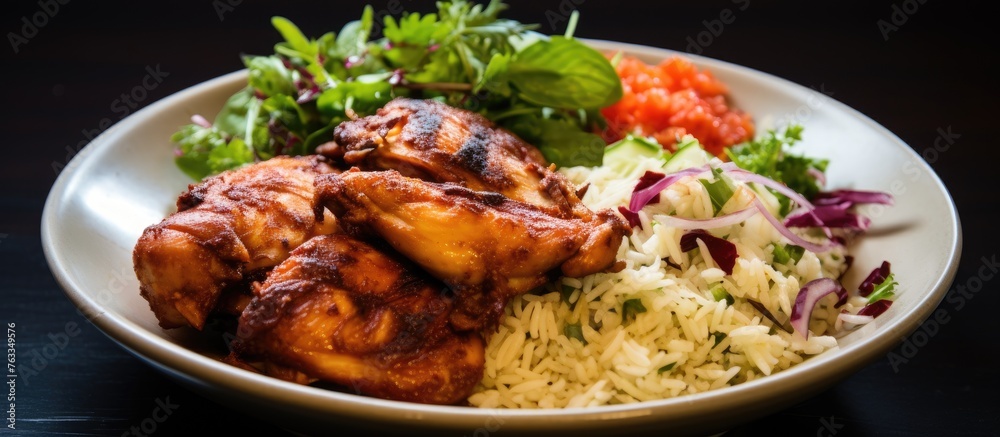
(685, 342)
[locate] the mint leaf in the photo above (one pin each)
(564, 73)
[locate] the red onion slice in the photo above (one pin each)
(747, 176)
(642, 197)
(806, 300)
(648, 179)
(787, 233)
(200, 121)
(818, 175)
(712, 223)
(855, 319)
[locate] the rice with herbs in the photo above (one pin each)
(569, 345)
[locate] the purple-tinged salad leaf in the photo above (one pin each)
(806, 300)
(723, 252)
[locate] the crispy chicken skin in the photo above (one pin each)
(486, 246)
(225, 228)
(430, 140)
(343, 311)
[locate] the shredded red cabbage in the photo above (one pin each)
(807, 298)
(787, 233)
(876, 308)
(852, 197)
(723, 252)
(828, 216)
(830, 211)
(874, 278)
(632, 217)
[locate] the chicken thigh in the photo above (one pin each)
(430, 140)
(486, 246)
(225, 229)
(343, 311)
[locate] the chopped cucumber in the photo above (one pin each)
(623, 155)
(689, 154)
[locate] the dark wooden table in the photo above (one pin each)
(916, 67)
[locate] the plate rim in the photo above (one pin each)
(180, 362)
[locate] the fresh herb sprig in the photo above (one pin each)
(769, 156)
(548, 90)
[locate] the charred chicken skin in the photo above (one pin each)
(444, 218)
(343, 311)
(486, 246)
(226, 228)
(430, 140)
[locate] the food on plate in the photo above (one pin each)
(225, 230)
(485, 246)
(547, 90)
(672, 99)
(432, 253)
(435, 142)
(708, 297)
(345, 311)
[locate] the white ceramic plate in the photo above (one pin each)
(125, 180)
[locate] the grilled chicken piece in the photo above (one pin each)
(430, 140)
(225, 228)
(342, 311)
(486, 246)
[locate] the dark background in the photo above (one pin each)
(936, 70)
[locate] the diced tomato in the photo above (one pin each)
(674, 98)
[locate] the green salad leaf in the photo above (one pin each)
(769, 156)
(885, 290)
(564, 73)
(549, 90)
